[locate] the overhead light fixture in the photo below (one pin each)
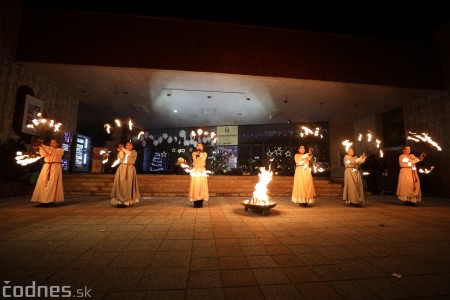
(175, 111)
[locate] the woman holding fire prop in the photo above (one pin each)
(49, 187)
(198, 190)
(408, 188)
(125, 189)
(303, 191)
(353, 185)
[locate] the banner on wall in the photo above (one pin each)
(227, 135)
(33, 107)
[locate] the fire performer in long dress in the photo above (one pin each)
(49, 186)
(408, 188)
(353, 185)
(125, 189)
(303, 191)
(198, 190)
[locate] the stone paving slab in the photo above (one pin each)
(163, 248)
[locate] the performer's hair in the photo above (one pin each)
(58, 141)
(404, 146)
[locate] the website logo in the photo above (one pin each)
(37, 291)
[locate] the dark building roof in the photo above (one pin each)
(411, 23)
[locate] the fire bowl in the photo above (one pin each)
(263, 208)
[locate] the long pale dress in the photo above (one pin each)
(303, 190)
(408, 188)
(125, 189)
(353, 185)
(198, 189)
(49, 186)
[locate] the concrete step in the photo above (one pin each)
(178, 185)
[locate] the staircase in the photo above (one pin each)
(178, 185)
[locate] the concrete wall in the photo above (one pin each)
(57, 103)
(431, 115)
(86, 38)
(339, 131)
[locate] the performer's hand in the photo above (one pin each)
(37, 144)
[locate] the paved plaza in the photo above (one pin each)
(163, 248)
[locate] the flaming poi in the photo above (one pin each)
(305, 131)
(370, 138)
(117, 161)
(105, 155)
(35, 123)
(26, 158)
(191, 172)
(425, 138)
(347, 144)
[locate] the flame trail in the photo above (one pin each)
(191, 172)
(115, 163)
(106, 156)
(24, 159)
(347, 144)
(43, 121)
(423, 137)
(378, 142)
(108, 128)
(425, 170)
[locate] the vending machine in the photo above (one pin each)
(65, 145)
(81, 154)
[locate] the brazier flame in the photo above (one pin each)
(260, 196)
